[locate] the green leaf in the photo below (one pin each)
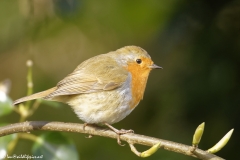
(55, 146)
(6, 106)
(4, 141)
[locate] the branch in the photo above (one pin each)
(131, 138)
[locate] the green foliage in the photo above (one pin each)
(4, 142)
(6, 106)
(51, 146)
(55, 146)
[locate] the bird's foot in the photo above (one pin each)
(84, 125)
(119, 132)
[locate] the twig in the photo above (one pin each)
(95, 130)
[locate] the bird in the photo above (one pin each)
(104, 89)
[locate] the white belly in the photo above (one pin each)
(103, 107)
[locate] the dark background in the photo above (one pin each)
(196, 42)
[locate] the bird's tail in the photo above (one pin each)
(35, 96)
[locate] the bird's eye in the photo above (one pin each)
(139, 61)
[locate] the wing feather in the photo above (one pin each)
(94, 75)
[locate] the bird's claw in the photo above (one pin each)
(119, 132)
(84, 126)
(123, 131)
(119, 141)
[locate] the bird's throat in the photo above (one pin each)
(139, 81)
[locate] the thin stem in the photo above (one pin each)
(28, 136)
(11, 146)
(22, 118)
(134, 150)
(29, 82)
(29, 78)
(34, 107)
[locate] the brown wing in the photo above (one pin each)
(96, 74)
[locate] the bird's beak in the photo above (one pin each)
(154, 66)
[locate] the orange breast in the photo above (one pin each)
(139, 80)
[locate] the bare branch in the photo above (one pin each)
(131, 138)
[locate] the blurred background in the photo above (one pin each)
(196, 42)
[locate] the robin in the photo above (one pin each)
(104, 89)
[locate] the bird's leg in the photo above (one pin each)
(119, 132)
(84, 125)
